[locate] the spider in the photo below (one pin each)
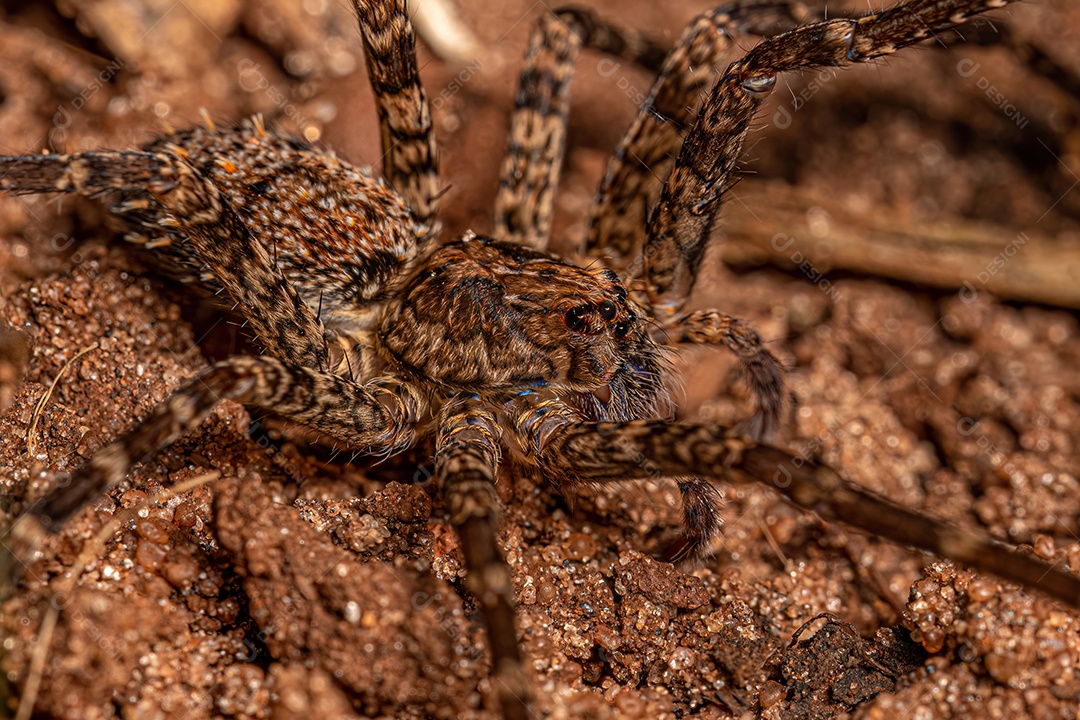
(376, 329)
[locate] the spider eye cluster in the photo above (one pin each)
(583, 319)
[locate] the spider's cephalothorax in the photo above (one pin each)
(372, 327)
(490, 317)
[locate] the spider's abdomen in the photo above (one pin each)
(482, 315)
(338, 234)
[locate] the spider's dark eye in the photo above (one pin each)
(622, 329)
(261, 187)
(575, 317)
(607, 310)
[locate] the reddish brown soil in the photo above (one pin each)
(296, 585)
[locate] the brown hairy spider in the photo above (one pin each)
(375, 330)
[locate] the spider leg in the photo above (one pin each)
(702, 520)
(269, 302)
(764, 372)
(378, 417)
(538, 420)
(646, 151)
(682, 221)
(530, 170)
(15, 351)
(410, 158)
(613, 452)
(467, 453)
